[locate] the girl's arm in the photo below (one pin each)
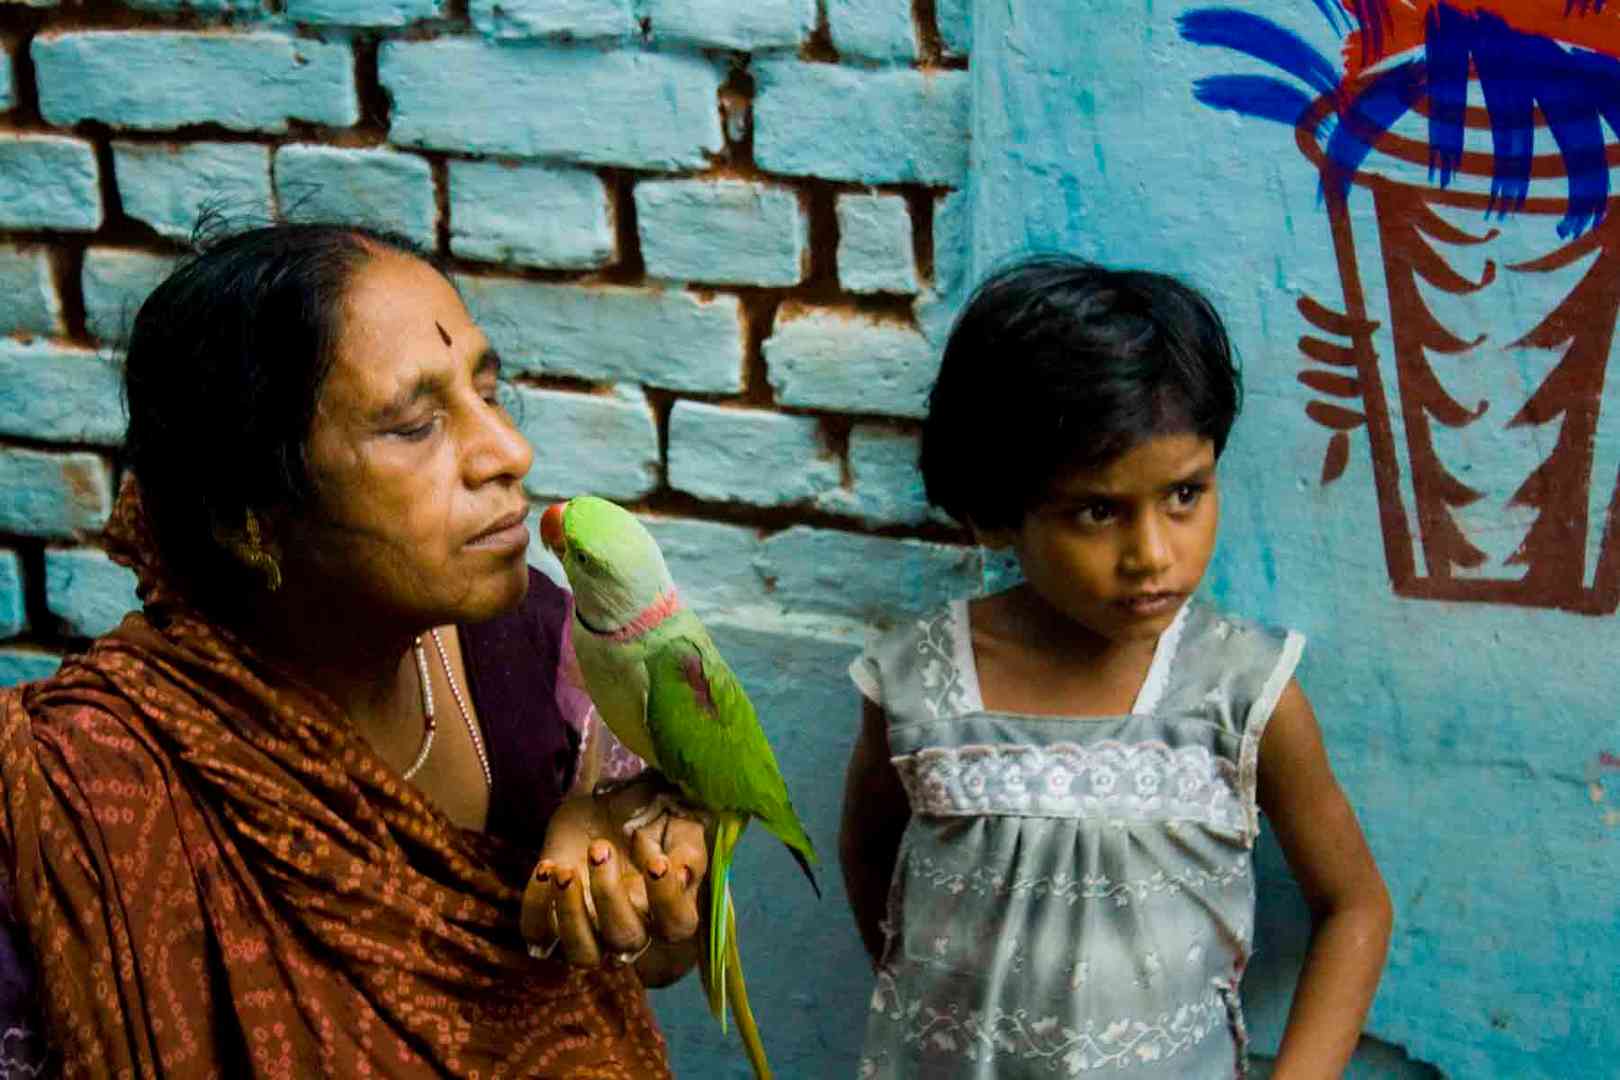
(1350, 908)
(875, 816)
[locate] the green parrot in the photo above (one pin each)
(663, 688)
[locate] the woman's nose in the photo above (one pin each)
(498, 450)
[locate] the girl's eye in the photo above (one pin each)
(1094, 514)
(1186, 496)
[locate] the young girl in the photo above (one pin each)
(1050, 809)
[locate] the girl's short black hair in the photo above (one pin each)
(1058, 363)
(224, 365)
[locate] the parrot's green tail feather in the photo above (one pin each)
(722, 964)
(726, 833)
(753, 1046)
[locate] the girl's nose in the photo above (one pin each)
(1147, 549)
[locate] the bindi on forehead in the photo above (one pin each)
(444, 335)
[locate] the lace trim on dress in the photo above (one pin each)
(946, 690)
(1108, 779)
(1147, 698)
(949, 1029)
(1254, 727)
(1158, 676)
(1070, 889)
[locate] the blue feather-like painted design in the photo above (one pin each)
(1576, 90)
(1373, 110)
(1450, 40)
(1335, 16)
(1511, 103)
(1262, 39)
(1254, 95)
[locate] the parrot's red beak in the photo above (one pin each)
(551, 528)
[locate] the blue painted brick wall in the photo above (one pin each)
(756, 26)
(382, 189)
(530, 215)
(28, 284)
(13, 605)
(49, 182)
(872, 30)
(254, 81)
(748, 455)
(687, 225)
(731, 231)
(165, 185)
(874, 244)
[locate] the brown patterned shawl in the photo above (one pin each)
(220, 878)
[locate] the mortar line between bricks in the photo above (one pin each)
(921, 206)
(36, 608)
(818, 47)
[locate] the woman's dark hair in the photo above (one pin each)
(1058, 363)
(224, 365)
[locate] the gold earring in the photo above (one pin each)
(251, 550)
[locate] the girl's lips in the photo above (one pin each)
(1147, 604)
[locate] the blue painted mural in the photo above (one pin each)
(1466, 73)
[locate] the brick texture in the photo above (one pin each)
(729, 231)
(166, 185)
(49, 182)
(637, 109)
(29, 303)
(255, 81)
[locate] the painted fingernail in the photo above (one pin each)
(564, 879)
(601, 851)
(657, 868)
(686, 877)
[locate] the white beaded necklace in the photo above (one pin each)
(430, 726)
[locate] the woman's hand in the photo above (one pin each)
(606, 898)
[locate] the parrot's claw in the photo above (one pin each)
(660, 805)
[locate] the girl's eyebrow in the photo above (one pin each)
(1199, 475)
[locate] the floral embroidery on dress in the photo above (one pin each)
(1073, 889)
(945, 690)
(947, 1028)
(1109, 780)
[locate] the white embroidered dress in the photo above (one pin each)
(1073, 895)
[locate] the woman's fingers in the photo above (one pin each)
(673, 874)
(536, 921)
(574, 927)
(618, 922)
(688, 853)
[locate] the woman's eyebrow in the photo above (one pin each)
(489, 362)
(426, 385)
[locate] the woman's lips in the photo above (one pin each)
(508, 534)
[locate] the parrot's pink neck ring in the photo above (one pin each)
(667, 604)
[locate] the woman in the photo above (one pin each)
(297, 817)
